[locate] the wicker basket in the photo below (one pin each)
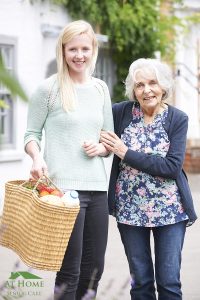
(37, 231)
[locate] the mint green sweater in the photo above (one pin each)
(68, 165)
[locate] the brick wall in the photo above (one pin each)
(192, 157)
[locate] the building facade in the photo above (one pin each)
(187, 95)
(28, 35)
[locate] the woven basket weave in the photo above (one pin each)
(37, 231)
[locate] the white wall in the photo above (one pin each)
(35, 50)
(187, 63)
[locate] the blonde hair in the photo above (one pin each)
(67, 92)
(161, 70)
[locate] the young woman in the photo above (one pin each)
(73, 107)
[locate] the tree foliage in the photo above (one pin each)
(136, 28)
(11, 83)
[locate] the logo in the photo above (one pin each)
(23, 283)
(25, 275)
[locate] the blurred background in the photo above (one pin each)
(126, 30)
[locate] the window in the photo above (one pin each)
(6, 114)
(105, 68)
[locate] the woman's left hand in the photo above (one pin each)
(113, 143)
(94, 149)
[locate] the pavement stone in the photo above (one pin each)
(115, 283)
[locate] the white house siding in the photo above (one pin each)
(187, 54)
(34, 27)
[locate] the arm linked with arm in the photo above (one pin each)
(107, 116)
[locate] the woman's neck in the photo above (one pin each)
(80, 78)
(151, 114)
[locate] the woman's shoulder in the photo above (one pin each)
(45, 87)
(47, 84)
(175, 112)
(175, 119)
(102, 87)
(100, 82)
(126, 104)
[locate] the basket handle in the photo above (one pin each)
(42, 179)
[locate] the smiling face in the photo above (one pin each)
(147, 90)
(78, 54)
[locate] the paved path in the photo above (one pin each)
(116, 281)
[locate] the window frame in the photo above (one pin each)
(8, 141)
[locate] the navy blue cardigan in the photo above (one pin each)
(176, 126)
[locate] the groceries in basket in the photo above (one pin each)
(53, 195)
(70, 198)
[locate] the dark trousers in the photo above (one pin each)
(168, 243)
(83, 262)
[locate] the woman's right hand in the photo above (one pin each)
(113, 143)
(39, 168)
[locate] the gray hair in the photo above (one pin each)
(161, 70)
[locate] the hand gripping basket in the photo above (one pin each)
(37, 231)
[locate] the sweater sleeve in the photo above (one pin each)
(107, 110)
(169, 166)
(37, 113)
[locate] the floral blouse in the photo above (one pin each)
(143, 199)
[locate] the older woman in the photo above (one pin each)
(148, 189)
